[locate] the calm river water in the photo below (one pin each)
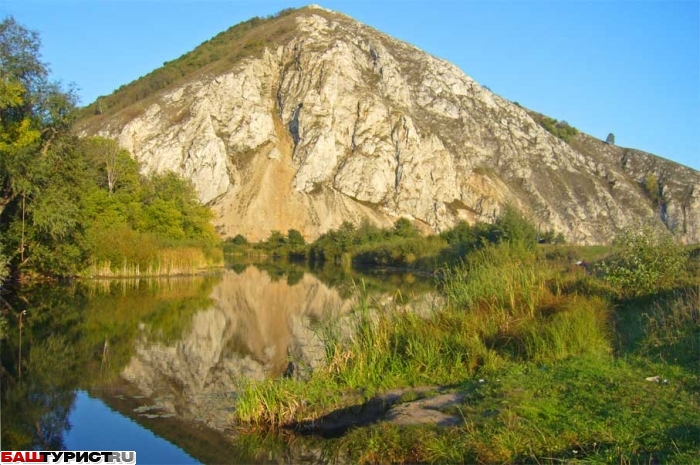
(153, 365)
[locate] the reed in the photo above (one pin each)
(504, 279)
(166, 262)
(270, 402)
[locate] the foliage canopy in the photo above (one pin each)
(66, 202)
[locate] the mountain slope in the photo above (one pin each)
(309, 119)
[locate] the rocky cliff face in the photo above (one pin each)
(336, 121)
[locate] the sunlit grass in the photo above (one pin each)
(579, 410)
(561, 379)
(478, 330)
(164, 262)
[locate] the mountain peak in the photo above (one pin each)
(308, 120)
(314, 6)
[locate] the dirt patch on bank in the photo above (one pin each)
(405, 406)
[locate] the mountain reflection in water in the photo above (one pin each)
(250, 331)
(166, 353)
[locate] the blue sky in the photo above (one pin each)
(627, 67)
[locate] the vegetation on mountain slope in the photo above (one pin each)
(560, 129)
(244, 39)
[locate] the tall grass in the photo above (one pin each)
(504, 279)
(163, 262)
(269, 403)
(672, 329)
(125, 252)
(581, 328)
(499, 311)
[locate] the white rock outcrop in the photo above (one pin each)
(344, 123)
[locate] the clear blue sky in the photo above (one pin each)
(627, 67)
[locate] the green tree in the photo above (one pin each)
(511, 226)
(16, 128)
(276, 239)
(20, 56)
(66, 203)
(610, 139)
(404, 228)
(36, 206)
(37, 103)
(41, 221)
(296, 245)
(184, 216)
(295, 238)
(368, 232)
(113, 161)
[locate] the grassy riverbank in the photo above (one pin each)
(551, 361)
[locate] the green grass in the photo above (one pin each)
(671, 329)
(582, 409)
(379, 350)
(506, 280)
(563, 359)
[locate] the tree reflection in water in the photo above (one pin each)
(65, 334)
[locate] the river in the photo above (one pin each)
(153, 365)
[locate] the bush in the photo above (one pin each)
(643, 261)
(238, 240)
(551, 237)
(512, 227)
(654, 189)
(560, 129)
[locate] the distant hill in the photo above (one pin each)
(309, 118)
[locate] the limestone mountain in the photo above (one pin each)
(310, 118)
